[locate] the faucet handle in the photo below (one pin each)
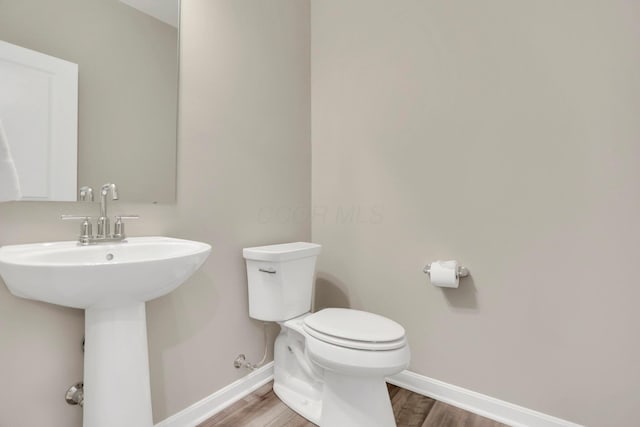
(118, 226)
(66, 217)
(86, 229)
(133, 216)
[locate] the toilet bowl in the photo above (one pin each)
(329, 366)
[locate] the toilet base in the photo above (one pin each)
(356, 402)
(295, 381)
(307, 408)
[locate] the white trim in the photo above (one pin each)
(486, 406)
(489, 407)
(221, 399)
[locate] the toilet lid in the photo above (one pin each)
(355, 329)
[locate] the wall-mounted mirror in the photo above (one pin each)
(126, 52)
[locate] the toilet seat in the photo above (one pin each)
(355, 329)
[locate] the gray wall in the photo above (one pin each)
(243, 151)
(505, 135)
(128, 72)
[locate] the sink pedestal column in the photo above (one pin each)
(116, 368)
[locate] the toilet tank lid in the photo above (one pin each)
(282, 252)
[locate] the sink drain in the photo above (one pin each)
(109, 257)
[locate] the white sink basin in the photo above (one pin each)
(111, 282)
(64, 273)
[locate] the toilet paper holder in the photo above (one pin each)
(462, 271)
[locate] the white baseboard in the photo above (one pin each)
(486, 406)
(221, 399)
(489, 407)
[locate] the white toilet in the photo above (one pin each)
(330, 366)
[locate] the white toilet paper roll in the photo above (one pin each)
(444, 274)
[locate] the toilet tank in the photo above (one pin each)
(280, 279)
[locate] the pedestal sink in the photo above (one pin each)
(111, 283)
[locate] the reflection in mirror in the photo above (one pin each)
(125, 51)
(38, 125)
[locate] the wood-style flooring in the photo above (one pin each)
(262, 408)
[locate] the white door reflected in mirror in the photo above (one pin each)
(39, 119)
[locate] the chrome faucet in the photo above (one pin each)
(103, 220)
(104, 233)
